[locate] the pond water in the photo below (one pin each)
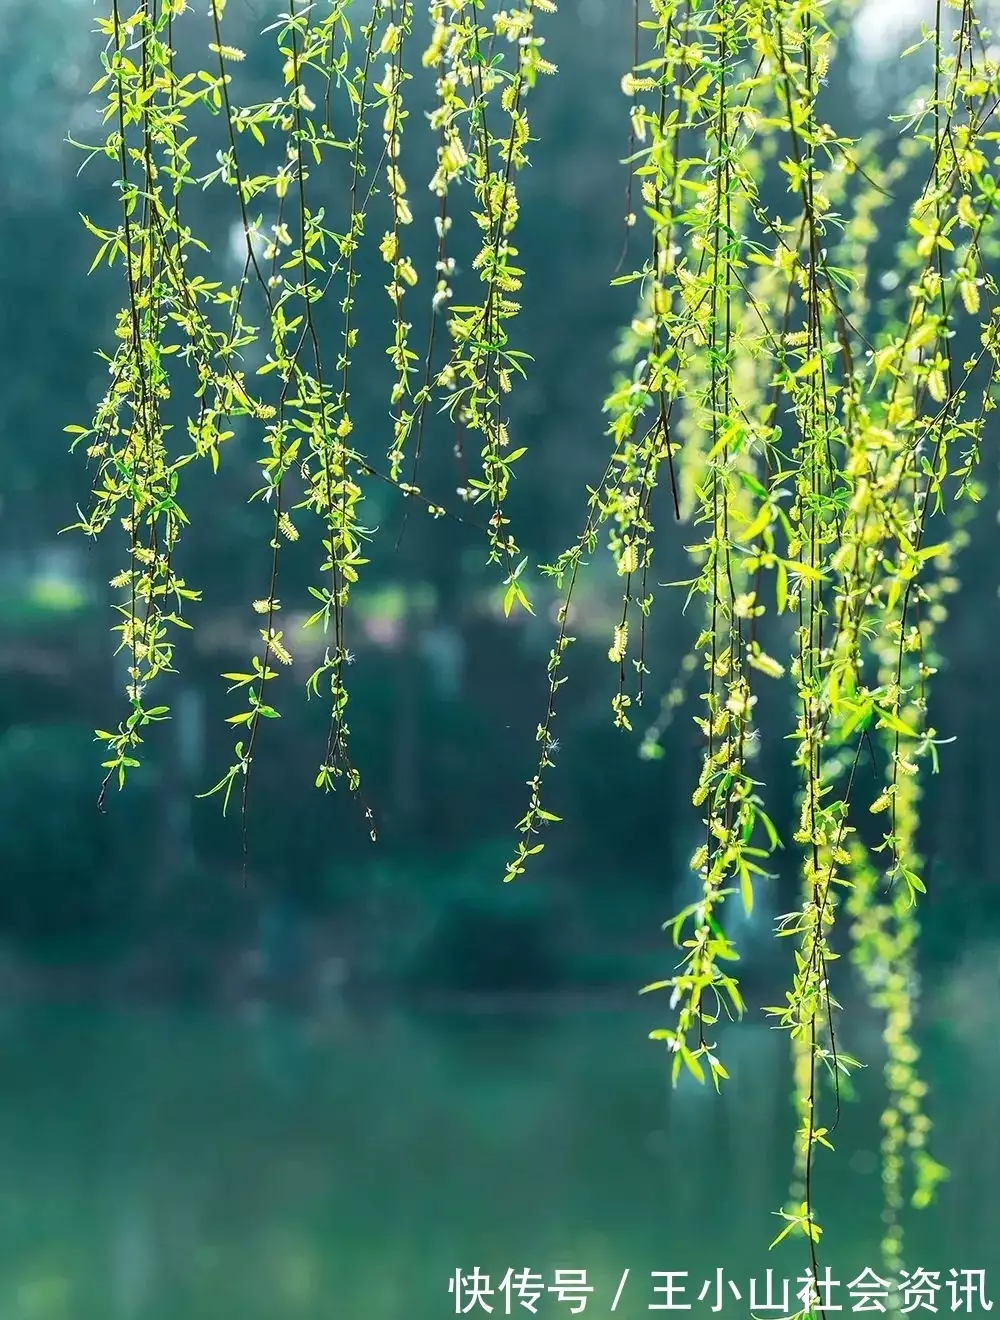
(196, 1167)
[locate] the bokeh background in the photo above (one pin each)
(302, 1092)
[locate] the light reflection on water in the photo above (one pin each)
(198, 1168)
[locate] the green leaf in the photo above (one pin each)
(693, 1066)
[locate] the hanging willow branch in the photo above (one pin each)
(819, 426)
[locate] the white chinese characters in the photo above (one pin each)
(957, 1291)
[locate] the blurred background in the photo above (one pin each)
(325, 1087)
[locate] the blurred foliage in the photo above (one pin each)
(66, 882)
(445, 693)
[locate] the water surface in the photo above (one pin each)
(185, 1166)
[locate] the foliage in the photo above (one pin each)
(63, 871)
(819, 422)
(451, 928)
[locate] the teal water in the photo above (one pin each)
(167, 1166)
